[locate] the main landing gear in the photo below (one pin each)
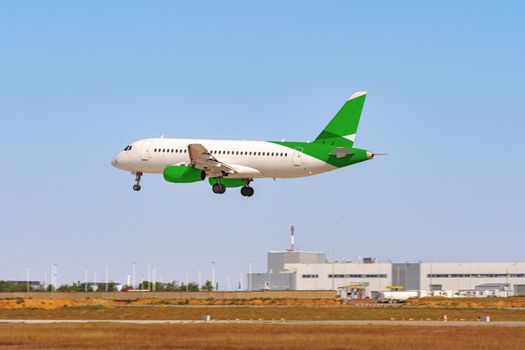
(136, 186)
(218, 188)
(246, 190)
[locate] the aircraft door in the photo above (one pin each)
(297, 157)
(146, 151)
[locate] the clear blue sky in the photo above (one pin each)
(79, 80)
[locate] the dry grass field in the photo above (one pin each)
(468, 302)
(253, 336)
(169, 312)
(119, 336)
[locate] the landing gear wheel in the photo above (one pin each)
(136, 186)
(218, 188)
(247, 191)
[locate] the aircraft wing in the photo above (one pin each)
(201, 158)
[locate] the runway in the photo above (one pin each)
(289, 322)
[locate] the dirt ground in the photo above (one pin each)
(192, 312)
(48, 303)
(118, 336)
(435, 302)
(468, 302)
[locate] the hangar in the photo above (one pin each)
(368, 277)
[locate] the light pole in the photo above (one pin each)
(85, 279)
(56, 276)
(241, 287)
(213, 274)
(53, 277)
(134, 275)
(154, 278)
(149, 276)
(27, 278)
(107, 278)
(250, 275)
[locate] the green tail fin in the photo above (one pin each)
(342, 128)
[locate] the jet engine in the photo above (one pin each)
(183, 174)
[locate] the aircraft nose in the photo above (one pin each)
(119, 160)
(369, 155)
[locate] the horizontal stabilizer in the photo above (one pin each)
(341, 152)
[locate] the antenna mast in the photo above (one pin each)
(292, 238)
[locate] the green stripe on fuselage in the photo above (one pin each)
(323, 152)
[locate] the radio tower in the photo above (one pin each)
(292, 238)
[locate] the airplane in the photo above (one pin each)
(233, 163)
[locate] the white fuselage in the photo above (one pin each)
(250, 159)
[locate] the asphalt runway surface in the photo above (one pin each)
(290, 322)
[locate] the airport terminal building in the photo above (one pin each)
(368, 278)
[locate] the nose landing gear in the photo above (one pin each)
(136, 186)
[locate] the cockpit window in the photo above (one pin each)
(128, 148)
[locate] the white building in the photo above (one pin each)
(300, 270)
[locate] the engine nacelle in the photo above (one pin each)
(183, 174)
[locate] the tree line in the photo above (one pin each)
(174, 286)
